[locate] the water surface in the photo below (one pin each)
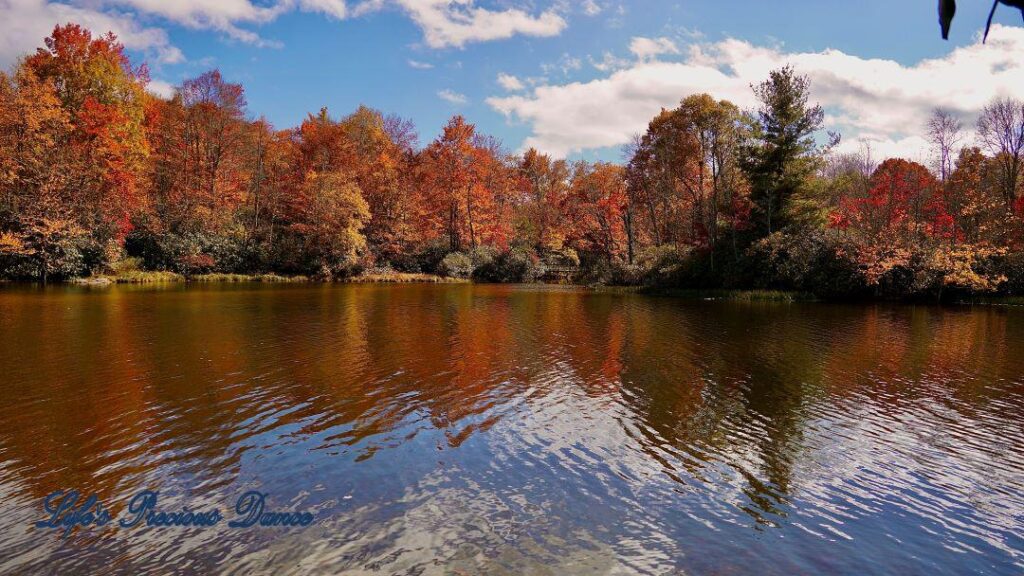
(507, 430)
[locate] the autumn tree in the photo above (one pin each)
(104, 97)
(496, 174)
(654, 174)
(267, 162)
(887, 221)
(684, 173)
(1001, 131)
(41, 230)
(909, 224)
(944, 134)
(970, 202)
(446, 182)
(329, 214)
(198, 177)
(543, 185)
(381, 164)
(35, 132)
(594, 210)
(326, 208)
(191, 183)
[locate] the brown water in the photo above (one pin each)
(505, 430)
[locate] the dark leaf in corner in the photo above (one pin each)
(947, 9)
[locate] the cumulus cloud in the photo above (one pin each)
(452, 97)
(160, 88)
(445, 23)
(566, 65)
(335, 8)
(455, 23)
(228, 16)
(609, 62)
(647, 48)
(420, 65)
(876, 100)
(24, 24)
(510, 82)
(591, 8)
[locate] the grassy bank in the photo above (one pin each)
(133, 277)
(731, 295)
(151, 277)
(155, 277)
(265, 278)
(403, 278)
(994, 301)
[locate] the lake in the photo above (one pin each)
(460, 429)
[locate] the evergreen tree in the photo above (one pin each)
(781, 153)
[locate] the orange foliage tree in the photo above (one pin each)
(104, 97)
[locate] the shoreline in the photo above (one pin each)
(158, 277)
(174, 278)
(705, 294)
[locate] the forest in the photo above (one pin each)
(98, 176)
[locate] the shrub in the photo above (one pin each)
(661, 265)
(191, 253)
(812, 261)
(425, 260)
(456, 265)
(516, 265)
(483, 255)
(190, 264)
(1011, 266)
(125, 266)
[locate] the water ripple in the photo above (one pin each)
(506, 430)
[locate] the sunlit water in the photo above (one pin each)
(505, 430)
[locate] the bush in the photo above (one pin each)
(661, 265)
(623, 274)
(192, 253)
(456, 265)
(198, 263)
(812, 261)
(596, 269)
(125, 266)
(67, 257)
(425, 260)
(483, 255)
(517, 265)
(1011, 266)
(564, 258)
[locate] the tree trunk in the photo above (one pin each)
(628, 221)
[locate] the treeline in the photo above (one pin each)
(98, 175)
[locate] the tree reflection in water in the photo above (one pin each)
(507, 429)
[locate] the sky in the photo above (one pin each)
(573, 78)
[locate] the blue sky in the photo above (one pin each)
(405, 56)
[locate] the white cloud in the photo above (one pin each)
(647, 48)
(228, 15)
(335, 8)
(510, 82)
(591, 8)
(24, 24)
(452, 97)
(445, 23)
(420, 65)
(875, 100)
(455, 23)
(609, 62)
(566, 64)
(161, 88)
